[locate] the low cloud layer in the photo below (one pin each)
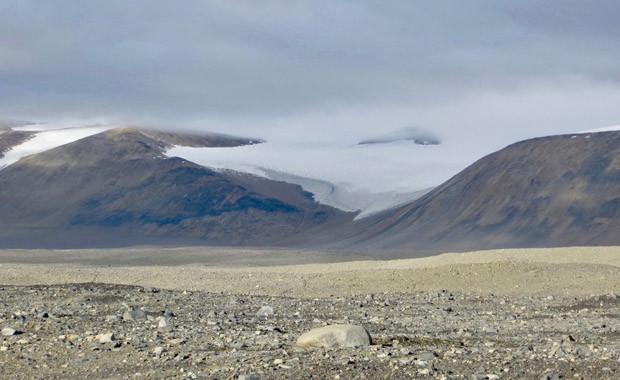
(348, 69)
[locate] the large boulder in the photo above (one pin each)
(335, 336)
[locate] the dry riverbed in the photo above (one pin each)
(552, 313)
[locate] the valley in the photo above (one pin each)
(228, 313)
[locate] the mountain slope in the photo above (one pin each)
(10, 138)
(550, 191)
(118, 188)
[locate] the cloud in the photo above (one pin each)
(271, 62)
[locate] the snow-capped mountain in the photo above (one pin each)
(85, 185)
(365, 174)
(352, 177)
(118, 188)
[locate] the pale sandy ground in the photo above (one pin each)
(558, 271)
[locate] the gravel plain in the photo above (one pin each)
(218, 313)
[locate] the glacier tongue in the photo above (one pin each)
(363, 179)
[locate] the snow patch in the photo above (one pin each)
(48, 136)
(604, 129)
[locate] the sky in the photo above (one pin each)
(281, 67)
(316, 71)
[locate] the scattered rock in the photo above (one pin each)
(220, 336)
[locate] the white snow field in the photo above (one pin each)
(366, 178)
(604, 129)
(49, 136)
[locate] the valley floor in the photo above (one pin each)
(309, 274)
(504, 314)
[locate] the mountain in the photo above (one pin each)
(549, 191)
(125, 186)
(416, 135)
(118, 188)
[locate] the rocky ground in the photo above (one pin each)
(214, 313)
(97, 330)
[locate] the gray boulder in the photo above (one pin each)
(335, 336)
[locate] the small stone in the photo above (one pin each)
(335, 336)
(7, 331)
(4, 348)
(175, 342)
(105, 338)
(248, 377)
(212, 314)
(163, 323)
(265, 311)
(157, 338)
(135, 315)
(555, 349)
(427, 355)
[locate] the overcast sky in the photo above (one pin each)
(509, 69)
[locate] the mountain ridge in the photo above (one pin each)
(121, 179)
(549, 191)
(544, 192)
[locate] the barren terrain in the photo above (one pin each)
(504, 314)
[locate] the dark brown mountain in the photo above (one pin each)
(118, 188)
(545, 192)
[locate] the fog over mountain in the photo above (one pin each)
(316, 72)
(418, 136)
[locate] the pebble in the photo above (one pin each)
(265, 311)
(105, 338)
(134, 314)
(221, 335)
(7, 331)
(248, 377)
(163, 323)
